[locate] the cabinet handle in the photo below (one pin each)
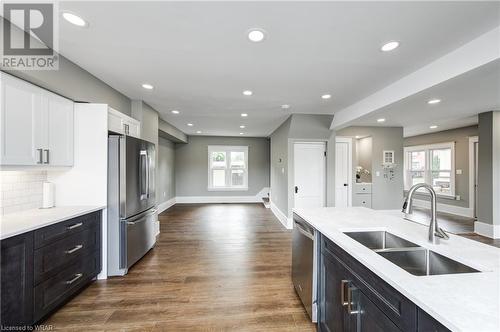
(75, 278)
(126, 129)
(343, 285)
(47, 155)
(40, 156)
(74, 226)
(349, 302)
(75, 249)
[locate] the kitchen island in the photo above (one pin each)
(458, 302)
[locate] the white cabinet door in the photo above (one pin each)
(132, 128)
(115, 122)
(60, 131)
(21, 122)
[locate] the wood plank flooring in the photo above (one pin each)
(217, 267)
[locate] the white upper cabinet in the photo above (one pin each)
(60, 131)
(123, 124)
(36, 126)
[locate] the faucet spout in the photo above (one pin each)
(435, 232)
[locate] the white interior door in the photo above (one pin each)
(309, 174)
(342, 173)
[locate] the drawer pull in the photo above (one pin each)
(76, 248)
(74, 226)
(75, 278)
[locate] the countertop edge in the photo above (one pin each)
(52, 221)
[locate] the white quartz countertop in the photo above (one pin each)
(461, 302)
(17, 223)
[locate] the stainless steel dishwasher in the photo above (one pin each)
(304, 264)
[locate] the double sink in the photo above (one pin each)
(407, 255)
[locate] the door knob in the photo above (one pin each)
(345, 184)
(296, 189)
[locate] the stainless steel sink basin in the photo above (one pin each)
(408, 255)
(380, 240)
(424, 262)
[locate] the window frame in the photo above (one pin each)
(227, 149)
(427, 149)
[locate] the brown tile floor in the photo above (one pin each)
(218, 267)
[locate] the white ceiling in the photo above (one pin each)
(462, 98)
(199, 60)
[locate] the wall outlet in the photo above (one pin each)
(457, 197)
(164, 194)
(377, 173)
(459, 172)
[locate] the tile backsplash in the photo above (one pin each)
(21, 190)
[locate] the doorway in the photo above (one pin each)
(309, 162)
(343, 172)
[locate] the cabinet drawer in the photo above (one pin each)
(49, 260)
(363, 188)
(364, 200)
(394, 305)
(57, 290)
(49, 234)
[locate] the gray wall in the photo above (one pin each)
(72, 82)
(489, 168)
(299, 127)
(461, 138)
(279, 165)
(191, 165)
(386, 194)
(165, 170)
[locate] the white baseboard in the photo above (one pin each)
(224, 199)
(456, 210)
(488, 230)
(166, 205)
(281, 216)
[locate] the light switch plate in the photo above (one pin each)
(459, 172)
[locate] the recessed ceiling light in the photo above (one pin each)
(357, 136)
(285, 107)
(242, 133)
(247, 93)
(392, 45)
(147, 86)
(242, 127)
(381, 120)
(256, 35)
(74, 19)
(190, 124)
(244, 115)
(433, 127)
(175, 112)
(327, 96)
(434, 101)
(198, 131)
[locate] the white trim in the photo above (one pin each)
(281, 216)
(472, 171)
(347, 140)
(488, 230)
(166, 205)
(451, 209)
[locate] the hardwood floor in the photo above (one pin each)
(217, 267)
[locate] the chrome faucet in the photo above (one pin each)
(435, 231)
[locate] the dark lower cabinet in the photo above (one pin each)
(352, 298)
(17, 280)
(41, 271)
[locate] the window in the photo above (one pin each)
(227, 167)
(432, 164)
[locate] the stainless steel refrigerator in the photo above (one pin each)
(131, 201)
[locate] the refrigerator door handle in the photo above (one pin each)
(143, 173)
(148, 162)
